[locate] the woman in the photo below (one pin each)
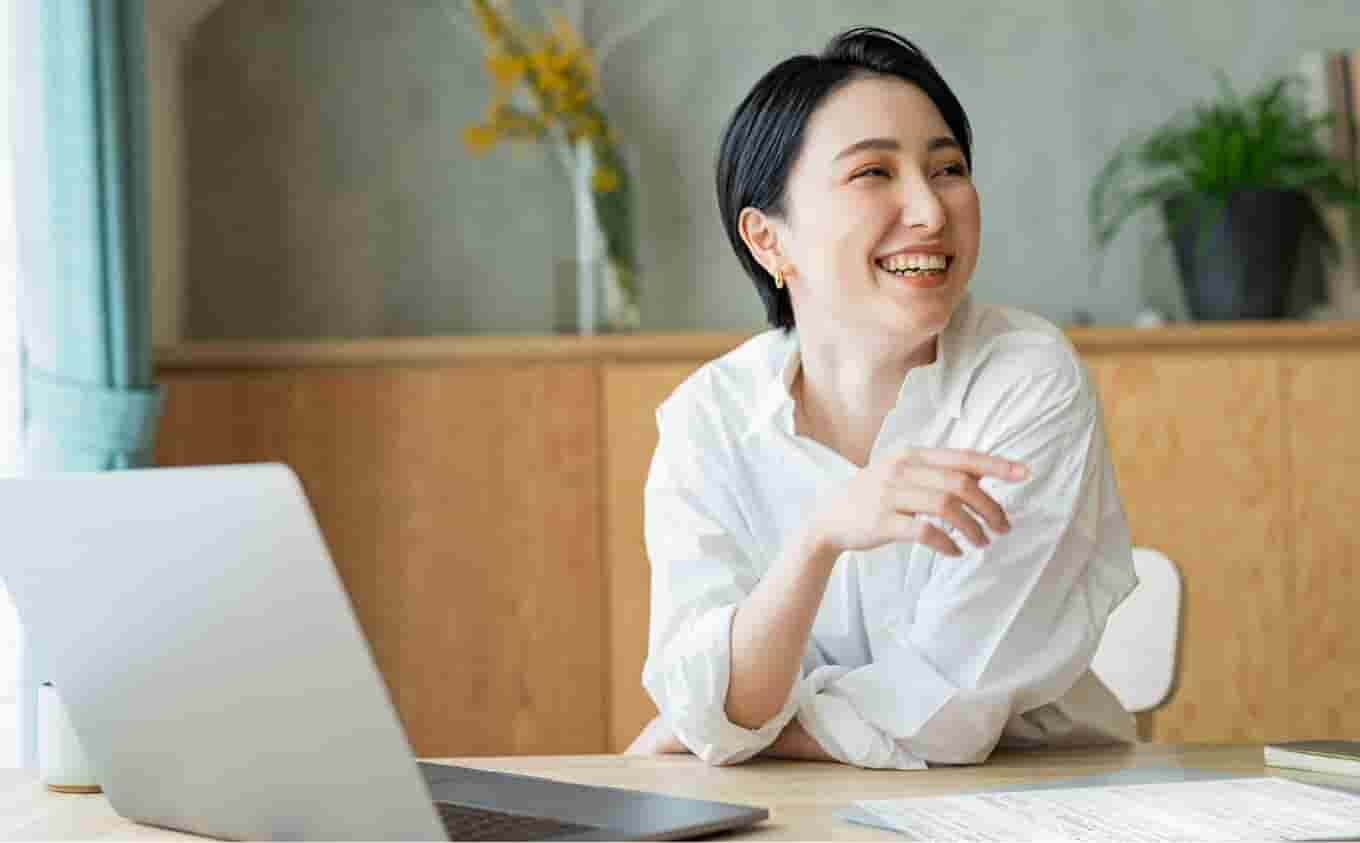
(886, 533)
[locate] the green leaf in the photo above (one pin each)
(1213, 149)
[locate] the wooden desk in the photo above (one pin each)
(800, 796)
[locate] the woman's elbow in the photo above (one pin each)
(728, 760)
(970, 750)
(752, 717)
(964, 731)
(724, 755)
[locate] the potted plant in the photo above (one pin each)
(1236, 180)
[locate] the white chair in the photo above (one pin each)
(1136, 657)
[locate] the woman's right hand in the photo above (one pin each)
(889, 501)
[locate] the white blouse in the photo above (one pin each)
(914, 656)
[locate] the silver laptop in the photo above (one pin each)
(196, 629)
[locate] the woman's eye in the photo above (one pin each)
(870, 171)
(954, 170)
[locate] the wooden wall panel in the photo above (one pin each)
(1322, 394)
(460, 504)
(1196, 439)
(485, 511)
(631, 395)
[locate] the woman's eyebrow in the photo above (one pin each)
(891, 145)
(942, 142)
(869, 143)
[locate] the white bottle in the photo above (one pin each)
(62, 763)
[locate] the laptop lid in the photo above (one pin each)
(195, 628)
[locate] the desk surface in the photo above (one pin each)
(800, 796)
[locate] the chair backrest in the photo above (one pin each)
(1136, 657)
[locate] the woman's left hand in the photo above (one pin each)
(656, 739)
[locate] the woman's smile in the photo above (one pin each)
(917, 269)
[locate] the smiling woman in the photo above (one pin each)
(886, 533)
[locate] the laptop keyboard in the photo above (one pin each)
(464, 822)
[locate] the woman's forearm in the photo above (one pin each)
(795, 744)
(770, 630)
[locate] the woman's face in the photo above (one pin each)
(882, 227)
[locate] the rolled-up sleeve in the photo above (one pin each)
(702, 567)
(1005, 629)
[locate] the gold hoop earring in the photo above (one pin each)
(779, 279)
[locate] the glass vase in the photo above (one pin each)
(603, 277)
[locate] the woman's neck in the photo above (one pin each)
(845, 389)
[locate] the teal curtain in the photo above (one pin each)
(81, 157)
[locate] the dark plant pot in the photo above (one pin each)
(1242, 265)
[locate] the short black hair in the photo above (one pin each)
(763, 137)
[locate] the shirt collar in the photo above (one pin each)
(775, 399)
(944, 382)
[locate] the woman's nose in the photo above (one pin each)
(921, 208)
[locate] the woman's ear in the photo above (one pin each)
(759, 234)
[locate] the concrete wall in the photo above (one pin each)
(168, 243)
(327, 193)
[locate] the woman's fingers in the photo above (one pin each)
(920, 500)
(975, 463)
(878, 504)
(963, 487)
(923, 532)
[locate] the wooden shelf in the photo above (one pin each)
(246, 354)
(1193, 335)
(444, 350)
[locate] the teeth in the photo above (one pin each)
(914, 263)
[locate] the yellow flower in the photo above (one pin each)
(541, 63)
(488, 20)
(563, 30)
(509, 123)
(592, 127)
(499, 99)
(553, 83)
(555, 66)
(580, 62)
(505, 69)
(569, 102)
(479, 139)
(606, 180)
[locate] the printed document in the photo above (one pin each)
(1223, 809)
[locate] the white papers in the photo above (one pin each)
(1223, 809)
